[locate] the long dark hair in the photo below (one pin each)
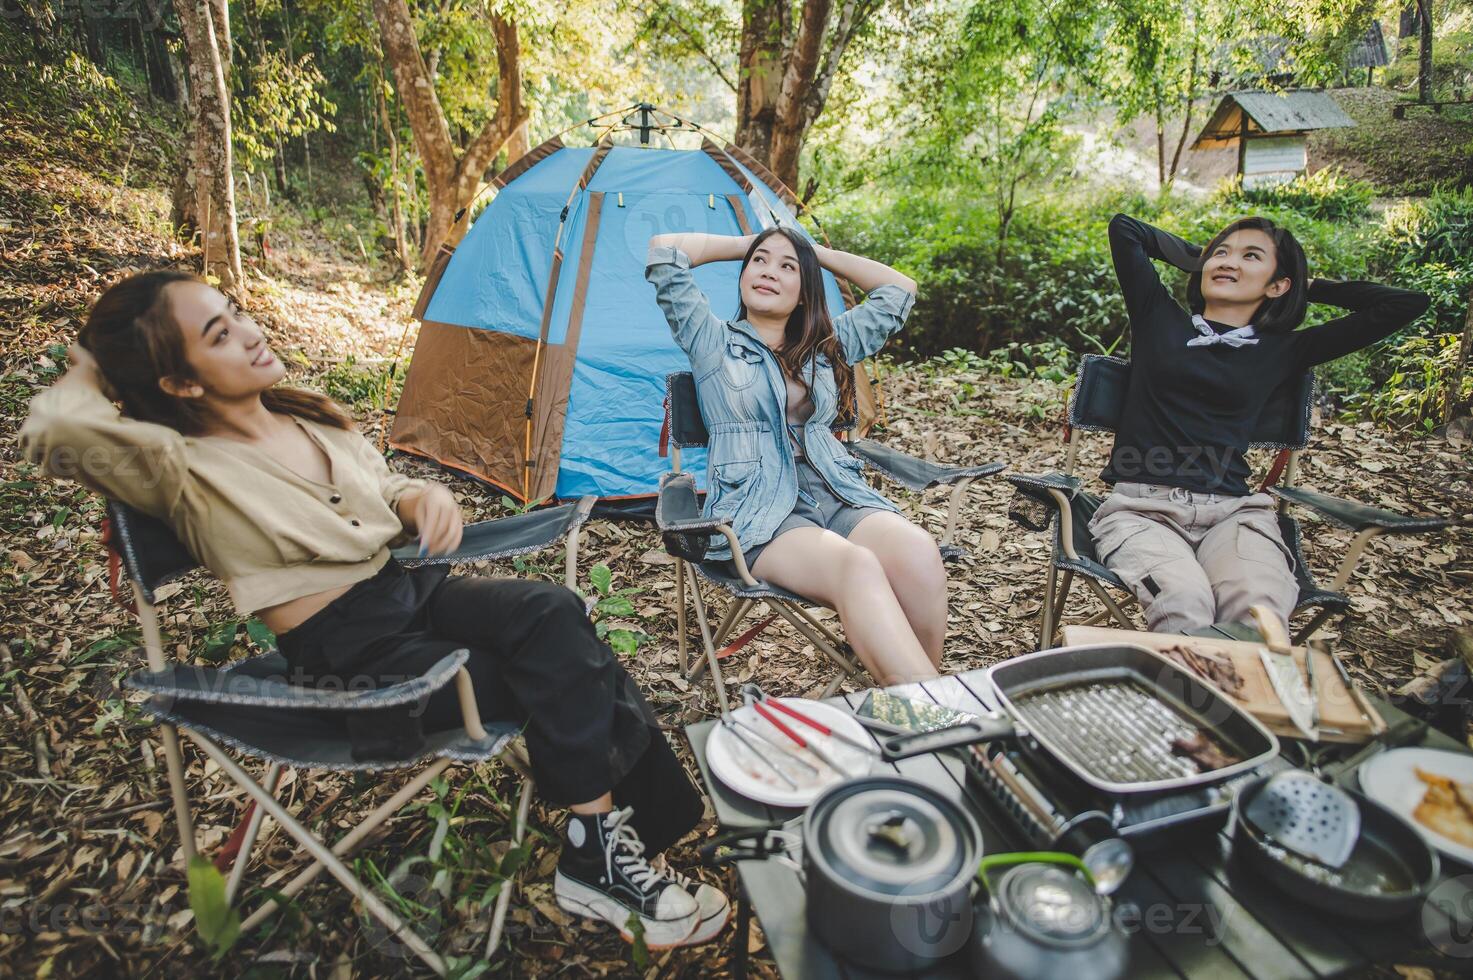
(137, 341)
(1276, 314)
(809, 330)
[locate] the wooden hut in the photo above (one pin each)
(1270, 130)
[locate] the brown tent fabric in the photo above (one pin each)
(555, 371)
(464, 404)
(527, 161)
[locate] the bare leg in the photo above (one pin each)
(603, 804)
(849, 578)
(912, 563)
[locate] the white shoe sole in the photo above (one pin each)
(578, 898)
(709, 929)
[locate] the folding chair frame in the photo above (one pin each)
(263, 792)
(687, 576)
(1366, 523)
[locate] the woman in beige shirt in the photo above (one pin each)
(274, 490)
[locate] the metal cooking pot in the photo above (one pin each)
(889, 864)
(1043, 918)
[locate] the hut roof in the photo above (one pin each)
(1270, 112)
(1370, 51)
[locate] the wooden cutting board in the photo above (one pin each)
(1345, 715)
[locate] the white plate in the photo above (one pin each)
(734, 764)
(1391, 780)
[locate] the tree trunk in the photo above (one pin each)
(1424, 56)
(518, 145)
(396, 226)
(787, 71)
(213, 169)
(760, 58)
(1160, 144)
(452, 177)
(1454, 396)
(1186, 125)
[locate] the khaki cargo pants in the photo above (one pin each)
(1194, 559)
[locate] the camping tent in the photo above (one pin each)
(541, 360)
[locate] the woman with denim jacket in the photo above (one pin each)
(771, 384)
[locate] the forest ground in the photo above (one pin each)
(83, 822)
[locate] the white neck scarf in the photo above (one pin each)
(1237, 337)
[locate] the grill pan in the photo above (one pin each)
(1109, 714)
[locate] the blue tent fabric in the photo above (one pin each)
(497, 280)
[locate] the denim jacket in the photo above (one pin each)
(751, 476)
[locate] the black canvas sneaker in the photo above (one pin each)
(602, 874)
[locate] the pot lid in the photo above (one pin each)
(891, 838)
(1051, 905)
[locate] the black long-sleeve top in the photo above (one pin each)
(1190, 411)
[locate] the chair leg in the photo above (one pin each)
(817, 624)
(314, 846)
(795, 616)
(680, 627)
(350, 841)
(1047, 615)
(1310, 628)
(733, 615)
(953, 509)
(717, 681)
(248, 842)
(1062, 599)
(148, 619)
(503, 901)
(1111, 604)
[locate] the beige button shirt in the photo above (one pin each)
(268, 533)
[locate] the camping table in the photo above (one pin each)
(1197, 917)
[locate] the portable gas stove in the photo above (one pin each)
(1056, 811)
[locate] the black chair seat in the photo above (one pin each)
(1082, 507)
(718, 573)
(264, 682)
(915, 473)
(313, 738)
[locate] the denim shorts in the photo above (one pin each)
(816, 507)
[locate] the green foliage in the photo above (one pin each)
(1328, 195)
(1452, 63)
(1415, 392)
(278, 98)
(363, 386)
(612, 604)
(216, 922)
(639, 950)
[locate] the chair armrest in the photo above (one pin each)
(914, 473)
(678, 508)
(1358, 517)
(1034, 503)
(1039, 487)
(504, 537)
(236, 687)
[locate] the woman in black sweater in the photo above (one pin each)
(1181, 527)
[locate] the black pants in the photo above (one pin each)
(534, 659)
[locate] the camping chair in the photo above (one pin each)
(686, 534)
(250, 709)
(1058, 501)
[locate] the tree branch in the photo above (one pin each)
(695, 42)
(511, 112)
(416, 90)
(802, 64)
(851, 17)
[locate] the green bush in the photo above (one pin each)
(1416, 389)
(1056, 281)
(1328, 195)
